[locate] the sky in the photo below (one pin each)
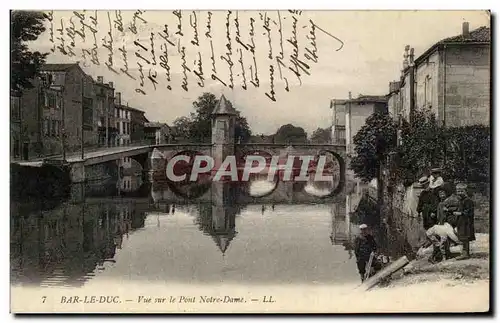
(359, 51)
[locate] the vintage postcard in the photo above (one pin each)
(231, 161)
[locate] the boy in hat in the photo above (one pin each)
(435, 179)
(364, 245)
(427, 204)
(465, 220)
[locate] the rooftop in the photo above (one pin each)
(126, 107)
(58, 67)
(154, 124)
(481, 34)
(224, 107)
(363, 99)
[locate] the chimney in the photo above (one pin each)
(465, 29)
(405, 57)
(100, 79)
(118, 98)
(111, 85)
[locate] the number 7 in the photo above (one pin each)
(44, 298)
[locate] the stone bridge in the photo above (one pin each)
(154, 158)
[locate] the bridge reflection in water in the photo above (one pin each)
(148, 232)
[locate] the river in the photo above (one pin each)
(102, 234)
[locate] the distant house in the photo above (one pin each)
(157, 133)
(451, 79)
(129, 122)
(361, 108)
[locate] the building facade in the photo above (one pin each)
(137, 121)
(157, 133)
(122, 119)
(451, 79)
(105, 110)
(78, 99)
(15, 126)
(350, 115)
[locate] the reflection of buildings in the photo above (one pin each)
(344, 228)
(64, 246)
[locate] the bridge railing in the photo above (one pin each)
(90, 149)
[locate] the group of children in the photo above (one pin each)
(448, 218)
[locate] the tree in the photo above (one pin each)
(25, 65)
(181, 127)
(421, 148)
(201, 120)
(290, 134)
(321, 136)
(372, 145)
(468, 154)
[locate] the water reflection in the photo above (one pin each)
(102, 233)
(67, 245)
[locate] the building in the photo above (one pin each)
(78, 99)
(348, 116)
(105, 110)
(36, 119)
(450, 79)
(137, 121)
(157, 133)
(15, 125)
(48, 118)
(393, 99)
(122, 119)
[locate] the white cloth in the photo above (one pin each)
(435, 181)
(443, 231)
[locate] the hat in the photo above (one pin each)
(436, 170)
(423, 180)
(363, 226)
(462, 185)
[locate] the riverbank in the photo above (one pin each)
(434, 287)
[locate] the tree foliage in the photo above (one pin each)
(198, 126)
(290, 134)
(462, 152)
(372, 144)
(422, 146)
(468, 153)
(321, 136)
(25, 26)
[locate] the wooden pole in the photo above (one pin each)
(387, 271)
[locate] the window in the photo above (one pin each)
(17, 147)
(100, 106)
(53, 128)
(117, 112)
(428, 91)
(124, 129)
(15, 107)
(46, 127)
(52, 100)
(46, 99)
